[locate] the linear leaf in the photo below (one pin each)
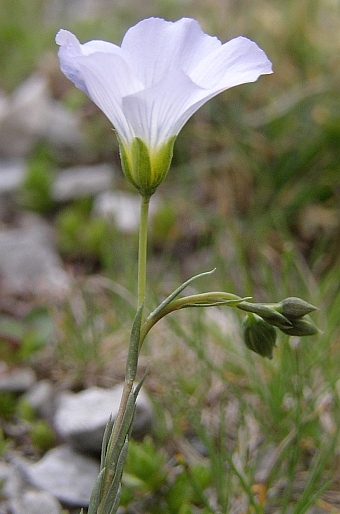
(96, 494)
(110, 502)
(132, 360)
(112, 459)
(106, 437)
(177, 291)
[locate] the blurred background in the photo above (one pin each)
(253, 190)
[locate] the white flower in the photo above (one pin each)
(161, 74)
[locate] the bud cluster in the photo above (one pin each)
(290, 316)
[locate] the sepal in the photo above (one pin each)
(144, 167)
(259, 336)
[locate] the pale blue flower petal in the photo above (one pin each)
(236, 62)
(163, 72)
(108, 78)
(160, 111)
(154, 113)
(155, 46)
(69, 50)
(71, 45)
(97, 69)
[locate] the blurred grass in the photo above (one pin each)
(256, 183)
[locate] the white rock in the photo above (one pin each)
(35, 502)
(41, 398)
(24, 116)
(62, 127)
(12, 173)
(123, 208)
(81, 417)
(17, 380)
(11, 481)
(82, 181)
(63, 473)
(29, 264)
(30, 114)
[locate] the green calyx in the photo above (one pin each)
(259, 336)
(146, 169)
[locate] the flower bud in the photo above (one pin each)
(259, 336)
(301, 327)
(267, 312)
(295, 308)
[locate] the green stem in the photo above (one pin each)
(142, 249)
(133, 351)
(132, 355)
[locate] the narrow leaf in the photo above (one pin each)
(139, 385)
(96, 494)
(177, 291)
(116, 501)
(106, 437)
(110, 501)
(132, 359)
(213, 304)
(112, 459)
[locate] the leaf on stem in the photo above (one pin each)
(112, 458)
(96, 494)
(106, 437)
(177, 291)
(111, 502)
(219, 303)
(132, 359)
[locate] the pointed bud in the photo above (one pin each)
(258, 335)
(295, 308)
(301, 327)
(270, 314)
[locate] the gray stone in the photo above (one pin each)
(23, 117)
(35, 502)
(16, 380)
(63, 473)
(81, 418)
(41, 398)
(10, 480)
(123, 208)
(82, 181)
(63, 128)
(12, 173)
(29, 263)
(30, 114)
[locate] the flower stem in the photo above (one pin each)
(142, 249)
(133, 351)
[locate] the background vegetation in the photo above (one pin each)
(254, 190)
